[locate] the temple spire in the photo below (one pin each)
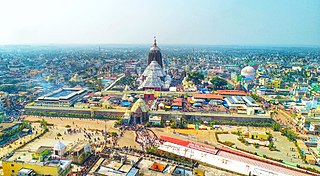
(154, 41)
(155, 54)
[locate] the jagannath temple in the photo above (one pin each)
(154, 76)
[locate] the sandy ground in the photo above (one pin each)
(95, 124)
(128, 139)
(50, 138)
(7, 149)
(90, 125)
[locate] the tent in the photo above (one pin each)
(125, 103)
(197, 104)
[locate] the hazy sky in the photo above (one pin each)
(224, 22)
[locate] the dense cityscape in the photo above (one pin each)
(181, 110)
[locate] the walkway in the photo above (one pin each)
(114, 82)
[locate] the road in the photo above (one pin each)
(114, 82)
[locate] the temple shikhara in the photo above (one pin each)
(155, 54)
(154, 77)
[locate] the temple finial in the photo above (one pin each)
(154, 41)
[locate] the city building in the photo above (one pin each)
(258, 135)
(248, 72)
(42, 162)
(76, 78)
(64, 97)
(80, 152)
(207, 98)
(126, 118)
(155, 120)
(227, 93)
(243, 105)
(59, 148)
(139, 112)
(152, 81)
(26, 172)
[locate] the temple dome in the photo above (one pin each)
(59, 146)
(154, 48)
(248, 72)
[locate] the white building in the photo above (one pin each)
(59, 148)
(248, 72)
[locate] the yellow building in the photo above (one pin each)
(80, 152)
(26, 160)
(81, 105)
(276, 83)
(310, 159)
(198, 172)
(258, 135)
(303, 147)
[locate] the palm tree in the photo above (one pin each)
(43, 124)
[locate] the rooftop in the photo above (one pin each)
(232, 92)
(139, 104)
(64, 93)
(26, 157)
(4, 125)
(207, 96)
(79, 146)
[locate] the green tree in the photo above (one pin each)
(43, 124)
(114, 134)
(256, 145)
(59, 135)
(278, 97)
(276, 126)
(9, 88)
(218, 83)
(195, 77)
(256, 97)
(291, 135)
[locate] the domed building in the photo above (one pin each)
(59, 148)
(248, 72)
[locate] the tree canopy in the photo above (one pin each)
(127, 80)
(291, 135)
(43, 123)
(256, 97)
(9, 88)
(218, 83)
(195, 77)
(276, 126)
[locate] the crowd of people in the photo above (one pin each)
(144, 138)
(87, 165)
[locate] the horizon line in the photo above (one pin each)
(167, 44)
